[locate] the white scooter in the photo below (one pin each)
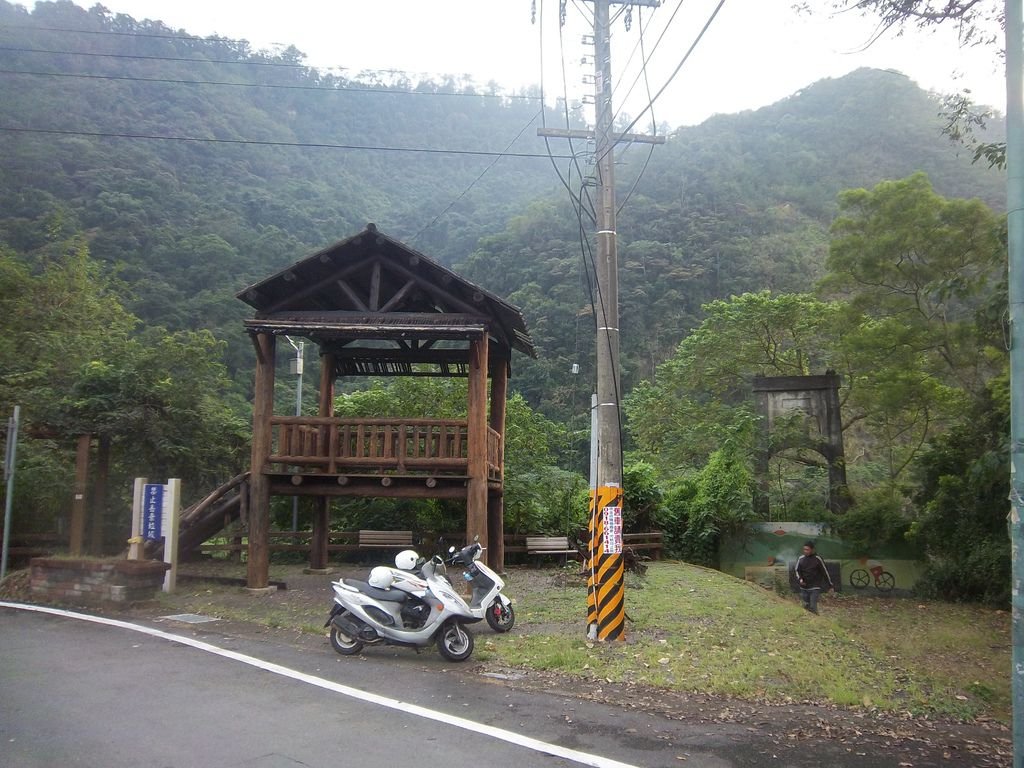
(487, 600)
(399, 608)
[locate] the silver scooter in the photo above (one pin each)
(487, 601)
(399, 608)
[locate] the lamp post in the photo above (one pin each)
(296, 368)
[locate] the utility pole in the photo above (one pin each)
(606, 607)
(1015, 248)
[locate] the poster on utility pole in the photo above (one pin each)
(612, 530)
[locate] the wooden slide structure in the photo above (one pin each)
(207, 517)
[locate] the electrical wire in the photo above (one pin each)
(267, 143)
(482, 174)
(654, 124)
(146, 57)
(156, 35)
(645, 60)
(544, 124)
(589, 210)
(689, 52)
(282, 86)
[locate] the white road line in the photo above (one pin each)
(583, 758)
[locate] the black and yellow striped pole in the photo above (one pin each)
(606, 594)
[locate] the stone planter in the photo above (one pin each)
(92, 582)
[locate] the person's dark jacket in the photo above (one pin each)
(812, 573)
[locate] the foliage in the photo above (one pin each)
(702, 394)
(963, 494)
(642, 497)
(977, 21)
(79, 363)
(878, 518)
(916, 270)
(717, 499)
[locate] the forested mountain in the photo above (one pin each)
(739, 203)
(188, 223)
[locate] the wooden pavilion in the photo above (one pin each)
(375, 307)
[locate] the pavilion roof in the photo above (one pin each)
(373, 287)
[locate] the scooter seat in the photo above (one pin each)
(384, 595)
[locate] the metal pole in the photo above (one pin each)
(299, 364)
(1015, 248)
(10, 458)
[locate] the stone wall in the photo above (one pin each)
(90, 582)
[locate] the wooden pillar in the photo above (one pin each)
(321, 534)
(496, 498)
(100, 500)
(322, 514)
(78, 505)
(476, 498)
(259, 483)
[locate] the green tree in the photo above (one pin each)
(916, 270)
(701, 395)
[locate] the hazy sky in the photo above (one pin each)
(756, 51)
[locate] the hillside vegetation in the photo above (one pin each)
(147, 175)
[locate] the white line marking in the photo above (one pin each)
(518, 739)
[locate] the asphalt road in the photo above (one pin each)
(74, 693)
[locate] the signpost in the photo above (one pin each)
(152, 512)
(156, 509)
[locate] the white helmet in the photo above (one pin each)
(381, 577)
(406, 560)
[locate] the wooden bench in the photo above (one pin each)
(385, 539)
(550, 545)
(651, 541)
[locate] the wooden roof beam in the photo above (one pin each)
(313, 288)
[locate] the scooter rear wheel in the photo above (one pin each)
(454, 642)
(343, 644)
(500, 617)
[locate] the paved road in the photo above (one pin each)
(74, 693)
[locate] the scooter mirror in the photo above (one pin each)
(451, 550)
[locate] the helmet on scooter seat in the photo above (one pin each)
(406, 560)
(381, 578)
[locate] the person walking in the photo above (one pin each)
(812, 576)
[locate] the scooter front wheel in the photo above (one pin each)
(500, 617)
(454, 642)
(343, 644)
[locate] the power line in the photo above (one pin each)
(283, 86)
(482, 174)
(650, 103)
(259, 143)
(145, 57)
(160, 36)
(547, 143)
(216, 39)
(654, 122)
(645, 60)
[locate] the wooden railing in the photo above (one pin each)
(414, 446)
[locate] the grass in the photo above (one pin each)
(700, 630)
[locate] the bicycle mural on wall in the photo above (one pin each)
(860, 578)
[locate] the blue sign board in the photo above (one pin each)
(152, 511)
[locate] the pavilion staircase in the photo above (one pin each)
(208, 516)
